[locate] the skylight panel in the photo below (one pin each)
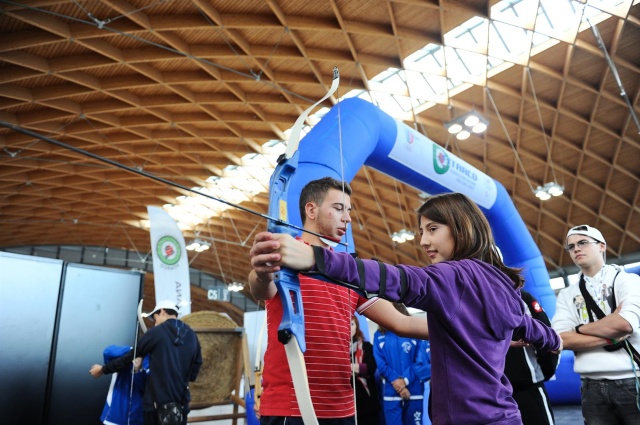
(425, 87)
(388, 104)
(466, 66)
(618, 8)
(392, 80)
(273, 149)
(510, 43)
(520, 13)
(404, 102)
(428, 60)
(559, 19)
(471, 35)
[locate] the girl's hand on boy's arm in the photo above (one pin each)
(518, 344)
(561, 344)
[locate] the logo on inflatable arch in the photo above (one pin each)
(410, 139)
(168, 249)
(441, 161)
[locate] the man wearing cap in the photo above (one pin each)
(175, 359)
(598, 319)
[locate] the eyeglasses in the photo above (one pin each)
(580, 244)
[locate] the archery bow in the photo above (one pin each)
(291, 329)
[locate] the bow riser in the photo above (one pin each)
(286, 280)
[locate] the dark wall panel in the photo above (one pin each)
(29, 288)
(97, 309)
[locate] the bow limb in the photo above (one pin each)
(291, 329)
(294, 137)
(258, 368)
(143, 326)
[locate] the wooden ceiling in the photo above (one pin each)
(182, 89)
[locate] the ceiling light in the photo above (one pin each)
(555, 189)
(235, 286)
(471, 120)
(479, 128)
(464, 125)
(463, 135)
(198, 245)
(403, 236)
(454, 128)
(548, 190)
(542, 194)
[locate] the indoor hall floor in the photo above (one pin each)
(568, 414)
(564, 415)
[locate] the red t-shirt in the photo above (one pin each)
(327, 314)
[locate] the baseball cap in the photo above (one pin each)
(585, 230)
(164, 304)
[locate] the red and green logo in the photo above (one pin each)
(441, 161)
(168, 250)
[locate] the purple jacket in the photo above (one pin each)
(473, 310)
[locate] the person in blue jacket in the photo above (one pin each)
(175, 359)
(124, 399)
(404, 366)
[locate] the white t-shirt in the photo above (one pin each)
(571, 311)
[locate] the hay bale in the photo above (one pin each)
(220, 374)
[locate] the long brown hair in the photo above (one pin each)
(470, 229)
(358, 335)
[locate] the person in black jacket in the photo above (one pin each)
(175, 359)
(363, 366)
(527, 371)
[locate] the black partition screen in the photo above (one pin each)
(57, 320)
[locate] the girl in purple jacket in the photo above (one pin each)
(471, 298)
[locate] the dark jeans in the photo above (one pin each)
(281, 420)
(610, 402)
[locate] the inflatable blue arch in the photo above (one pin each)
(373, 138)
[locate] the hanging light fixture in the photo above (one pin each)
(549, 190)
(464, 125)
(198, 245)
(235, 286)
(403, 235)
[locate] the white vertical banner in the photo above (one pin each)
(170, 261)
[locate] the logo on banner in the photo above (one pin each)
(168, 249)
(441, 161)
(410, 140)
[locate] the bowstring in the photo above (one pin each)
(353, 317)
(133, 371)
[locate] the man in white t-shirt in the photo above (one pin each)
(598, 319)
